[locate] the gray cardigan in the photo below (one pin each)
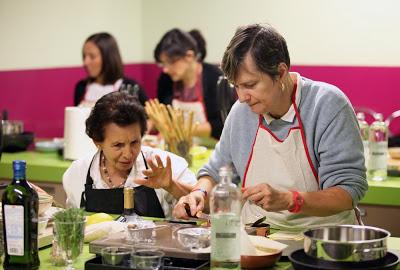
(331, 131)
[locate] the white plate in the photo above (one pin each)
(48, 146)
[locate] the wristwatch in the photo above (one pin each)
(298, 202)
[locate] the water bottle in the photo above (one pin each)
(20, 221)
(225, 222)
(364, 132)
(378, 150)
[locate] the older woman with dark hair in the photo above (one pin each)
(116, 125)
(300, 157)
(103, 64)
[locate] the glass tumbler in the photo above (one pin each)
(69, 237)
(147, 259)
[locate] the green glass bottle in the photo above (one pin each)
(20, 221)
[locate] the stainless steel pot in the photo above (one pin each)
(346, 243)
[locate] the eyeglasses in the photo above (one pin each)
(169, 62)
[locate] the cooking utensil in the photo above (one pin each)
(346, 243)
(301, 261)
(258, 222)
(11, 127)
(17, 142)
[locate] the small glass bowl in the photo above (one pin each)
(194, 237)
(147, 259)
(116, 256)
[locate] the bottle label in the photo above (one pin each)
(14, 219)
(378, 155)
(225, 237)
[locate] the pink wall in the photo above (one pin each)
(38, 96)
(372, 87)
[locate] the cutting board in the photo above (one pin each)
(164, 241)
(46, 238)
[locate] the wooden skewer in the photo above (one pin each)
(172, 123)
(189, 126)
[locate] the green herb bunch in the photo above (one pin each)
(69, 225)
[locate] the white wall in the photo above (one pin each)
(318, 32)
(50, 33)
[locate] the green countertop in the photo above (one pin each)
(44, 167)
(45, 258)
(49, 167)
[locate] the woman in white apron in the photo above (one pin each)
(187, 82)
(294, 142)
(103, 64)
(96, 182)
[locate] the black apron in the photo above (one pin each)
(111, 201)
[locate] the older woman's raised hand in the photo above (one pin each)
(267, 197)
(158, 175)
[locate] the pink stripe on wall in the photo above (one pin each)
(372, 87)
(38, 96)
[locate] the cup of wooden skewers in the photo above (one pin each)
(175, 126)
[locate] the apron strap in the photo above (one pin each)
(88, 184)
(146, 200)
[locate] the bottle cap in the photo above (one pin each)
(19, 165)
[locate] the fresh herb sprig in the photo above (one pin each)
(70, 226)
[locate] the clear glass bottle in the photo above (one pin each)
(20, 221)
(364, 132)
(378, 149)
(225, 222)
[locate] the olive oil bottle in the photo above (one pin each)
(20, 221)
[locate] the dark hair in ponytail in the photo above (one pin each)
(201, 44)
(175, 43)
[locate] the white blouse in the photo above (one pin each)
(74, 178)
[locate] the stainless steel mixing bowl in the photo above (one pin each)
(346, 243)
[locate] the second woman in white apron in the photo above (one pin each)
(294, 142)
